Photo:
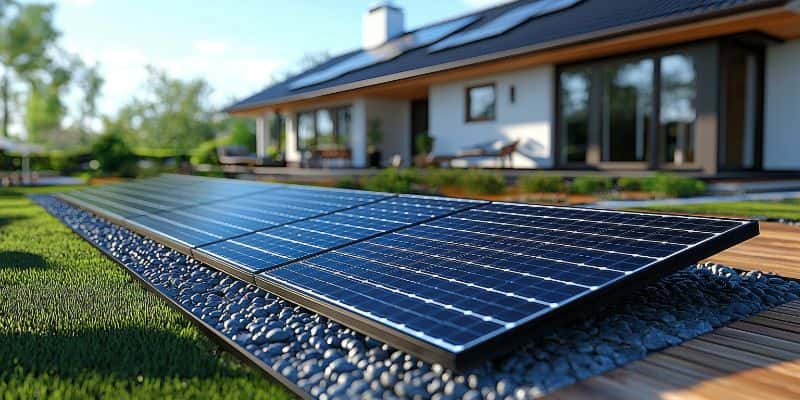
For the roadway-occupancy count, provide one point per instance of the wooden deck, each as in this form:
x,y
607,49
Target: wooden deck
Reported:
x,y
753,359
776,249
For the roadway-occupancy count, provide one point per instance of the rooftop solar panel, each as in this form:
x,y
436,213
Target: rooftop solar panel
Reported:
x,y
252,253
385,52
504,22
454,288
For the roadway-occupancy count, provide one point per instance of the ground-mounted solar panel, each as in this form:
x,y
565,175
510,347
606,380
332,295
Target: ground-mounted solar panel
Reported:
x,y
256,252
188,227
465,287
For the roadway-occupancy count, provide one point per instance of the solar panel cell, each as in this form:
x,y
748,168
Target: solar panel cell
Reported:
x,y
459,281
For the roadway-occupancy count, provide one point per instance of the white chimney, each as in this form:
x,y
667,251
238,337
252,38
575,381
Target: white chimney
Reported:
x,y
381,23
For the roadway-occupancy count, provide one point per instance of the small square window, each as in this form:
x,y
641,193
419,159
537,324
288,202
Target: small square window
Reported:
x,y
481,103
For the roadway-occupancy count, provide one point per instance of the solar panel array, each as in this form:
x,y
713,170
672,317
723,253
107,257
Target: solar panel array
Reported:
x,y
446,279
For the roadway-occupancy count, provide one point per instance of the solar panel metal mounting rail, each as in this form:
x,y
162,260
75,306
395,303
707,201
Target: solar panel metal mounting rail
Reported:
x,y
447,280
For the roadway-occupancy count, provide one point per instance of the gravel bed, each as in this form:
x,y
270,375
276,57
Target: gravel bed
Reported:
x,y
330,361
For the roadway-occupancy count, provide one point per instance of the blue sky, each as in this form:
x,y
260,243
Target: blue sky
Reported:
x,y
236,45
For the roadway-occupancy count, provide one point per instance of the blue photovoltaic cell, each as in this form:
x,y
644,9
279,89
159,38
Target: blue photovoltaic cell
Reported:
x,y
385,52
275,246
200,225
505,22
459,280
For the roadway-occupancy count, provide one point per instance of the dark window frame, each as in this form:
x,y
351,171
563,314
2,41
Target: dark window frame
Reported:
x,y
334,112
468,103
593,158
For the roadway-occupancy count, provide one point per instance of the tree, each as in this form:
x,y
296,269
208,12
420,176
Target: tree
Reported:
x,y
27,35
171,114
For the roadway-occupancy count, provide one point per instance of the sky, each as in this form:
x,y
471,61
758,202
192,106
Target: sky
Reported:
x,y
236,45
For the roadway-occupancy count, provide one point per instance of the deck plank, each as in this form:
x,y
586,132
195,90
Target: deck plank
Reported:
x,y
756,358
774,250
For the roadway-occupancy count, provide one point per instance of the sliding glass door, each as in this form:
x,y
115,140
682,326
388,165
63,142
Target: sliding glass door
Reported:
x,y
627,110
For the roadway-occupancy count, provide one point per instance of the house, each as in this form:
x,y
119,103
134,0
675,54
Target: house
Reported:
x,y
700,85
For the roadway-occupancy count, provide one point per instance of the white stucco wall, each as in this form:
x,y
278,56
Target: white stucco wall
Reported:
x,y
395,117
782,107
529,118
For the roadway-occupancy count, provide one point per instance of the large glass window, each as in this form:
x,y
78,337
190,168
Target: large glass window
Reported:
x,y
481,103
325,133
306,135
627,110
574,97
343,126
323,128
678,112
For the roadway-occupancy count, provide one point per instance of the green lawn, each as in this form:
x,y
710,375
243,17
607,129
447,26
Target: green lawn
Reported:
x,y
73,324
788,209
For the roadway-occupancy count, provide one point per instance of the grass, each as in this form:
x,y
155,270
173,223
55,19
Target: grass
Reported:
x,y
73,324
788,209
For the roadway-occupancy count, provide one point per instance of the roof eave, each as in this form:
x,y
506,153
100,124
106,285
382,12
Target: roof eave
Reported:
x,y
671,21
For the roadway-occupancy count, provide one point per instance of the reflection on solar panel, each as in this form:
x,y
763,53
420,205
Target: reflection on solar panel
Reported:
x,y
504,23
452,288
448,280
385,52
258,251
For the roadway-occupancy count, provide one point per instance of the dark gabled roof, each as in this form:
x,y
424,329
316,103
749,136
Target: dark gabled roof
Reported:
x,y
578,22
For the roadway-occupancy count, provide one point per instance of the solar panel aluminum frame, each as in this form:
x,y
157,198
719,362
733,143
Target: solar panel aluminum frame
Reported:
x,y
507,341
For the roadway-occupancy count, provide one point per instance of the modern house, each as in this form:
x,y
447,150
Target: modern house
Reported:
x,y
701,85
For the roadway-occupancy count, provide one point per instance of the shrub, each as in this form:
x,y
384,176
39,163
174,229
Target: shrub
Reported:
x,y
541,184
478,181
674,185
438,177
629,184
205,153
590,184
393,180
114,156
423,143
347,182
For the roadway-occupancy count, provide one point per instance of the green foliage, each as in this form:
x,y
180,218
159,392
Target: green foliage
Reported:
x,y
347,182
27,40
631,184
478,181
591,185
173,114
423,143
786,209
374,134
440,177
242,133
675,186
205,153
393,180
114,156
541,184
74,325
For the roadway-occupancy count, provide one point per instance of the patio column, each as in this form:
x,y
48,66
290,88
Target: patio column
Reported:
x,y
263,127
358,136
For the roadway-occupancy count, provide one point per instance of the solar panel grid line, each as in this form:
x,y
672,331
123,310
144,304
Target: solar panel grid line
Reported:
x,y
291,222
485,318
722,237
228,262
506,270
510,253
553,243
469,284
105,213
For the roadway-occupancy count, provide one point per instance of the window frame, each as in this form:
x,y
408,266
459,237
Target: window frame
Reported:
x,y
334,113
468,103
594,146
